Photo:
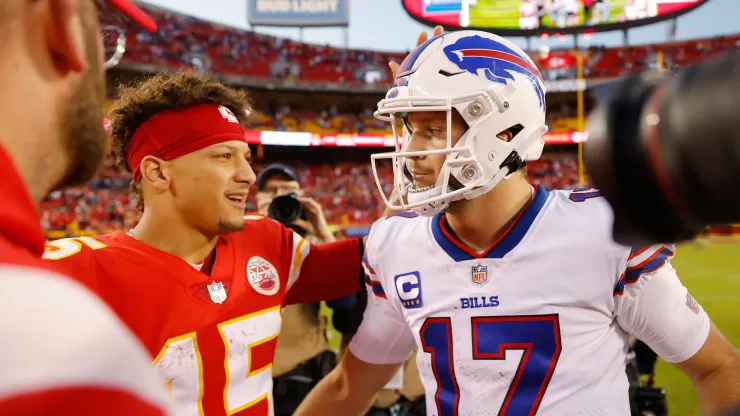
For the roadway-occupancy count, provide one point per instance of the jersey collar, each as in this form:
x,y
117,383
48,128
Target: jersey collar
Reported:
x,y
505,243
19,218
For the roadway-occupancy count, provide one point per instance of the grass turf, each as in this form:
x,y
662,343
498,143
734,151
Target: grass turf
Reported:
x,y
711,272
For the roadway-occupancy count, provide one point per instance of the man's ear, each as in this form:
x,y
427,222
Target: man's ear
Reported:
x,y
505,135
155,171
64,35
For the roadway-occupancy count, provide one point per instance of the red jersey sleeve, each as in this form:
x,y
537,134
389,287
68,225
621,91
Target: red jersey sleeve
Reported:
x,y
74,257
80,401
323,271
65,352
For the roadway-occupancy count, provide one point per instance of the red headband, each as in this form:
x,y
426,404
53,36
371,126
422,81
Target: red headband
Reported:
x,y
174,133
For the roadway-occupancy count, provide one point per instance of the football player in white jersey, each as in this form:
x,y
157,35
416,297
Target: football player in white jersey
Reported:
x,y
518,298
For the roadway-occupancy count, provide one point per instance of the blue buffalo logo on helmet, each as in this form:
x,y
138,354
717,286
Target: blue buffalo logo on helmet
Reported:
x,y
486,57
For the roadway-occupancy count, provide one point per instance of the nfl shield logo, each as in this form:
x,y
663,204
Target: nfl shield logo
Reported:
x,y
692,304
480,275
217,292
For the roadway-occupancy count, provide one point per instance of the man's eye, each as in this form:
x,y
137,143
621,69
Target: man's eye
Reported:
x,y
226,156
435,131
248,158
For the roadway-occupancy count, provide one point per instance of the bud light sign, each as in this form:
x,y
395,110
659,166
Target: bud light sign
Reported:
x,y
298,13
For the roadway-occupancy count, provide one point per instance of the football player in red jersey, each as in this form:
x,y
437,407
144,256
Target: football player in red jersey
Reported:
x,y
62,351
200,283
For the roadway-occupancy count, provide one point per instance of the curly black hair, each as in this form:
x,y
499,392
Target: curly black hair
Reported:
x,y
166,91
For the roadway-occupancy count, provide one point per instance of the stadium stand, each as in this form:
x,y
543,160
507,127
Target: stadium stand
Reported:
x,y
346,190
185,41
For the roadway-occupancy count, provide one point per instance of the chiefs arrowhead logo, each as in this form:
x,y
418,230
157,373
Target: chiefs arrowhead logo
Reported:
x,y
262,276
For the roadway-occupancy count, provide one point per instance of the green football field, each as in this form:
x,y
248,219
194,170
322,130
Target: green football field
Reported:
x,y
711,272
505,13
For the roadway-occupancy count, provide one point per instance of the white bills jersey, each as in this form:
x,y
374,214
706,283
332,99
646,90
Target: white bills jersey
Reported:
x,y
536,324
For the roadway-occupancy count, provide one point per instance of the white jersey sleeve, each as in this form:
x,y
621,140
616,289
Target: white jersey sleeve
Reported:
x,y
652,304
383,337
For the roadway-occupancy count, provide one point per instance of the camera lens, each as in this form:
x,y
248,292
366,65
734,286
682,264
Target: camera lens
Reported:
x,y
664,152
620,167
285,209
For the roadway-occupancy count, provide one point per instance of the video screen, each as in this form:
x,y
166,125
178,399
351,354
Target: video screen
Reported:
x,y
545,15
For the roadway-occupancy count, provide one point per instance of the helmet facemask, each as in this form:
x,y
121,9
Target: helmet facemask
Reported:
x,y
459,158
494,86
462,175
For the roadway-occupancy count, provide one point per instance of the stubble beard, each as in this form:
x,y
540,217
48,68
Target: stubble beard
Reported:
x,y
228,227
84,135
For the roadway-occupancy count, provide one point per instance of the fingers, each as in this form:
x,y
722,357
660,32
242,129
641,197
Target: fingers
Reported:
x,y
422,38
306,226
394,68
310,205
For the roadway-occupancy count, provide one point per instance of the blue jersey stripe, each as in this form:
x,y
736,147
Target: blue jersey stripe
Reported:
x,y
378,289
457,251
655,262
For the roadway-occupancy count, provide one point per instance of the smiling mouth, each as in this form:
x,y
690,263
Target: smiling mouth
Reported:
x,y
414,189
238,200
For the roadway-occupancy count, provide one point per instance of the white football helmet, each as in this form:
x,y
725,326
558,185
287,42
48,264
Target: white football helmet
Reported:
x,y
494,86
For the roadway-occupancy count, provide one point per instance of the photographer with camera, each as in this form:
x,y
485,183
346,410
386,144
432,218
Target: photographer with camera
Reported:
x,y
280,197
302,355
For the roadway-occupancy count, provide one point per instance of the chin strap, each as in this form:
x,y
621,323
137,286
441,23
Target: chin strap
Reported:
x,y
513,162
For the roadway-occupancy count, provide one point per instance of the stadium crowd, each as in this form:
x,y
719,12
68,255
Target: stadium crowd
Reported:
x,y
347,191
185,41
330,120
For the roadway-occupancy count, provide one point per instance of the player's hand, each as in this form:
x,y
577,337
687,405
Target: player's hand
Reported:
x,y
316,224
423,37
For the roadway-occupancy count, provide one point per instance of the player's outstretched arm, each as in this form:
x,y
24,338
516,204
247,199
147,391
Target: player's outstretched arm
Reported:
x,y
715,371
324,271
383,342
349,389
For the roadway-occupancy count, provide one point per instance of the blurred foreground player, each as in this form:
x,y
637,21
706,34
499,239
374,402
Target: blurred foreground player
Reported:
x,y
62,351
517,298
200,283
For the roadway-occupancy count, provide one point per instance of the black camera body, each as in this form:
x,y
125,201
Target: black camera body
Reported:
x,y
650,401
645,400
286,209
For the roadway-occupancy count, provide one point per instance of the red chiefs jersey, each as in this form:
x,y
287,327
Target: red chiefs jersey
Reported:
x,y
213,336
62,350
